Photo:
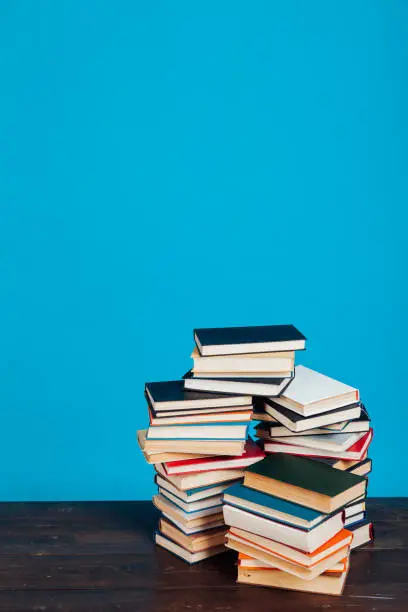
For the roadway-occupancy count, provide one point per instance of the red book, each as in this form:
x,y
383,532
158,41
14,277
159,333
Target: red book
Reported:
x,y
252,454
356,451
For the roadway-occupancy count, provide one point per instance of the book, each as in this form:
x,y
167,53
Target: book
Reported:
x,y
299,423
305,482
158,457
339,541
327,583
195,542
251,454
214,410
353,519
244,376
356,451
239,416
204,431
252,563
312,393
260,415
171,395
251,386
192,495
296,569
192,506
275,429
354,508
192,519
202,447
304,540
336,442
362,468
272,507
242,340
247,362
363,533
185,482
184,554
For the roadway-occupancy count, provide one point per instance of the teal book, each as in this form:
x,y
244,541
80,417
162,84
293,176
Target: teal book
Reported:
x,y
273,507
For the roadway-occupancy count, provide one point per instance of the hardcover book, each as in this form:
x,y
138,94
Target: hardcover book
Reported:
x,y
298,423
272,507
313,393
171,395
256,339
249,362
252,386
327,583
305,482
356,451
251,454
302,540
184,554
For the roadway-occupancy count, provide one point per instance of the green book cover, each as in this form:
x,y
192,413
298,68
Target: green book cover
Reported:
x,y
305,473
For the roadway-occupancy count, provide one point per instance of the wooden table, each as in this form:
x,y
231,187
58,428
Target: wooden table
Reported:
x,y
100,556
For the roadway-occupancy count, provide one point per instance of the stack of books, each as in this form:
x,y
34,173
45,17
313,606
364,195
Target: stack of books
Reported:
x,y
287,523
322,418
259,361
199,446
294,500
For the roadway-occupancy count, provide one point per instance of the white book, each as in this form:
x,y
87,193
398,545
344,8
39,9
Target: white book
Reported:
x,y
355,518
307,541
312,393
331,442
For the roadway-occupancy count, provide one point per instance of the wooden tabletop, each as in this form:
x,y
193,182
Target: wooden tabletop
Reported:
x,y
100,556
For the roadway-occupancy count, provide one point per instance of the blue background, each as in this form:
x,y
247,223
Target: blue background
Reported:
x,y
165,166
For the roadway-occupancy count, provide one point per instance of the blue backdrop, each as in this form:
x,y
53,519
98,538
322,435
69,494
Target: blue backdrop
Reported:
x,y
166,166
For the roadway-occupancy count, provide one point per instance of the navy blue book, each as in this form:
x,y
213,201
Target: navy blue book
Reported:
x,y
272,507
255,339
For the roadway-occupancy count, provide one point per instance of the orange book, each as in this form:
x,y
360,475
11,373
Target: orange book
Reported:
x,y
294,555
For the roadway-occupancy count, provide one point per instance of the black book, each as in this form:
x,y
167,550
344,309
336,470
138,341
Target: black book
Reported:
x,y
252,386
171,395
299,423
241,340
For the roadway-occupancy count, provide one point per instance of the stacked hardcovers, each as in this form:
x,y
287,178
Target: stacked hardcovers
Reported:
x,y
287,522
198,444
197,437
322,418
294,500
257,360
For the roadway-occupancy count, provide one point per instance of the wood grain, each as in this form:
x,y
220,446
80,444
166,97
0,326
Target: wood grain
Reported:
x,y
100,556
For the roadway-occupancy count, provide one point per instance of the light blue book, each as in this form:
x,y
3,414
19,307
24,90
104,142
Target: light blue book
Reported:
x,y
205,431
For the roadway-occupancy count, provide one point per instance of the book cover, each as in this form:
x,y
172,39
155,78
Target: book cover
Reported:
x,y
305,473
247,336
252,453
240,495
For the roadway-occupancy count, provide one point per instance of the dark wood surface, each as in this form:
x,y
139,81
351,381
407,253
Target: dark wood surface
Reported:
x,y
100,556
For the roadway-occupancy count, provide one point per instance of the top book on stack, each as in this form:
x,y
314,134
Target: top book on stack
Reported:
x,y
256,360
255,339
